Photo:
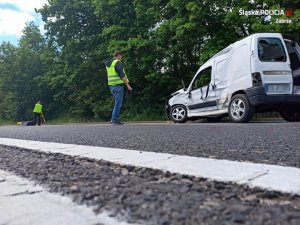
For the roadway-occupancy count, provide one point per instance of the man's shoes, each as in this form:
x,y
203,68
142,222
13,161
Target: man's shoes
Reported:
x,y
117,123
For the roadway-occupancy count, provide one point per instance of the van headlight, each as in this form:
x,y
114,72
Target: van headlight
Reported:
x,y
256,79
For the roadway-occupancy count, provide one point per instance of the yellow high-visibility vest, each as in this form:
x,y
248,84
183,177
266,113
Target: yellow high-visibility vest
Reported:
x,y
38,108
112,76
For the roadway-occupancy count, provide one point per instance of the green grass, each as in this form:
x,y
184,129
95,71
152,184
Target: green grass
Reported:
x,y
63,120
3,123
138,118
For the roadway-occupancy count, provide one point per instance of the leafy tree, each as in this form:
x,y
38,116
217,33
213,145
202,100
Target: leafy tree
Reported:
x,y
164,42
74,28
7,60
21,71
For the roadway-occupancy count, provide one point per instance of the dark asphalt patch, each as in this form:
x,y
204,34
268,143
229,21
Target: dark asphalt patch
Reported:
x,y
149,196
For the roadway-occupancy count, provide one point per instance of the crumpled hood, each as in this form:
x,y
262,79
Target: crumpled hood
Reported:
x,y
178,92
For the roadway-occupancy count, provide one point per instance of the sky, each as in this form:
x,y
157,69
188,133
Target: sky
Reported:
x,y
14,14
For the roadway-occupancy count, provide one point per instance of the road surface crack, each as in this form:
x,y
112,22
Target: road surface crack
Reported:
x,y
156,160
24,193
257,175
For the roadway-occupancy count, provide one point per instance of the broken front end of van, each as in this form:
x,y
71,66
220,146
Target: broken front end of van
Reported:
x,y
260,73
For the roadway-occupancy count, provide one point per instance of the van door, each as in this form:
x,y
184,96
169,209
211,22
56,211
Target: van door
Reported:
x,y
273,64
202,94
293,48
221,76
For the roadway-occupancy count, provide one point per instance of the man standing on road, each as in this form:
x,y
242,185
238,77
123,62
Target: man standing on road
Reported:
x,y
116,79
37,113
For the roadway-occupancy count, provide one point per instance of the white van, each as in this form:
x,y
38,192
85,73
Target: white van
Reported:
x,y
260,73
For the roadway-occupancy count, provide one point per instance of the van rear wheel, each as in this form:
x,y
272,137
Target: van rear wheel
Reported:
x,y
178,114
240,110
290,113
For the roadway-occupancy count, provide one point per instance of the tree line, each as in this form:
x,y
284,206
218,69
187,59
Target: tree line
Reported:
x,y
163,41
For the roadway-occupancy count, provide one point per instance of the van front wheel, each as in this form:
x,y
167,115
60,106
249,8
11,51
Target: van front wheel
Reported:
x,y
178,114
290,113
240,110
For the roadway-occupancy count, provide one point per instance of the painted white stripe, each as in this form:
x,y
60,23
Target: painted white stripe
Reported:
x,y
271,177
19,207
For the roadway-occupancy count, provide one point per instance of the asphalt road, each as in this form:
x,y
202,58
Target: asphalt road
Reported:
x,y
147,196
270,143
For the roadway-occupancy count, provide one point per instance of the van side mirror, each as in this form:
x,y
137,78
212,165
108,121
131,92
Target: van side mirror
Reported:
x,y
190,94
183,85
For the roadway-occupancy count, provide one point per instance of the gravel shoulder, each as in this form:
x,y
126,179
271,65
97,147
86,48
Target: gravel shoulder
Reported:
x,y
148,196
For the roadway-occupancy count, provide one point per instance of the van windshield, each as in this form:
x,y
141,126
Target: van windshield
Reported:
x,y
271,50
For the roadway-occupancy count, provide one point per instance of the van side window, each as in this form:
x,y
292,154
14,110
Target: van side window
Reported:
x,y
271,50
203,79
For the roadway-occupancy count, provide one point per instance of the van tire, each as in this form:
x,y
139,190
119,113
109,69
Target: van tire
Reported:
x,y
240,109
290,113
178,114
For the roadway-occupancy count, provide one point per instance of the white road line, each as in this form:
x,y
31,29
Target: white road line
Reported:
x,y
23,203
271,177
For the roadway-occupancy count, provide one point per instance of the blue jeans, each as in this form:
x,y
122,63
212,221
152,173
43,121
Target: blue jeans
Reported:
x,y
37,119
118,93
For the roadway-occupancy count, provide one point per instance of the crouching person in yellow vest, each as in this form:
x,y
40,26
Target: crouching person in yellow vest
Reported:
x,y
116,80
37,113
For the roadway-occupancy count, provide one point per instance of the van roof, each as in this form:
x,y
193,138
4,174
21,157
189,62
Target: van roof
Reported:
x,y
228,48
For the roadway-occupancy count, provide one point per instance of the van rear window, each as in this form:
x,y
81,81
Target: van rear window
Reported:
x,y
271,50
